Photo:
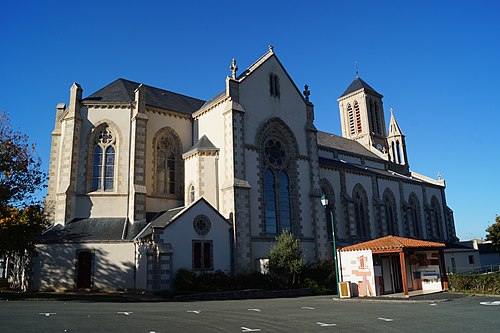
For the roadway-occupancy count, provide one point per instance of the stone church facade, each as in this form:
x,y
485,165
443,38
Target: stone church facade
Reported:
x,y
144,181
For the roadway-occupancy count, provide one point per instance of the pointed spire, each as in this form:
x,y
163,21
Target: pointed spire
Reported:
x,y
356,65
233,68
306,92
394,128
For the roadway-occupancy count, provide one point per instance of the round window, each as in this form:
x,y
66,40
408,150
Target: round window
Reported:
x,y
201,224
275,153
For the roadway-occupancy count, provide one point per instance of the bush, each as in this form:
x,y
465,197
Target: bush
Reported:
x,y
185,280
319,277
475,283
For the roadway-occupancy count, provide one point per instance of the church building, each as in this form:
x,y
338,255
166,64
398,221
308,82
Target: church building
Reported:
x,y
144,181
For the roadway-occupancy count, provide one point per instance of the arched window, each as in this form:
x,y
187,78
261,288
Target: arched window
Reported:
x,y
168,163
274,85
103,160
191,194
398,152
436,218
390,213
373,116
327,190
393,152
361,216
413,216
379,130
350,116
278,216
357,114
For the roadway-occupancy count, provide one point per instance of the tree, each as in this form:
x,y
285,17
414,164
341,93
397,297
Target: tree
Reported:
x,y
22,218
494,233
286,259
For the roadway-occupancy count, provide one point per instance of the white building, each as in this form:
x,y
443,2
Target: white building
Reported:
x,y
145,181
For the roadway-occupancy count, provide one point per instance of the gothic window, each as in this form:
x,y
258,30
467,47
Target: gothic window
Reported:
x,y
398,152
191,194
103,160
436,218
274,85
361,216
393,152
373,116
390,213
168,163
327,190
357,114
350,116
277,205
379,130
203,255
413,216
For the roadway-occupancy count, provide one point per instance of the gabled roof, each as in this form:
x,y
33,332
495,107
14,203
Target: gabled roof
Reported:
x,y
358,84
333,141
203,143
393,244
123,91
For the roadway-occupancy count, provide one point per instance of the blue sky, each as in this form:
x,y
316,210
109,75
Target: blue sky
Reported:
x,y
436,63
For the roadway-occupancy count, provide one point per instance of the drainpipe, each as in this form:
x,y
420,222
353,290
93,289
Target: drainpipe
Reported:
x,y
124,232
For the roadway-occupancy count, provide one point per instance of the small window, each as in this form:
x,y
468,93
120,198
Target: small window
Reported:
x,y
203,255
191,194
274,85
471,260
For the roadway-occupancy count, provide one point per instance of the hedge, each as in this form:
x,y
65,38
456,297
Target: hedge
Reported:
x,y
475,283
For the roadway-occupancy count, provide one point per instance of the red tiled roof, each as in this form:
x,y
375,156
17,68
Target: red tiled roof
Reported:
x,y
388,243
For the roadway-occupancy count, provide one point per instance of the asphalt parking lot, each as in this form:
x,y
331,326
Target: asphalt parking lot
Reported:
x,y
302,314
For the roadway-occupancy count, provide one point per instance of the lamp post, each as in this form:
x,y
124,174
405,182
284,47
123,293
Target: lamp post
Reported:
x,y
324,202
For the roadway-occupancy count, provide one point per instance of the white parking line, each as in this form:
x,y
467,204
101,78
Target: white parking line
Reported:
x,y
47,314
246,329
490,303
307,307
256,310
194,311
125,313
325,325
386,319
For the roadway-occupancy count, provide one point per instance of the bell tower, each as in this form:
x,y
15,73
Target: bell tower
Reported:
x,y
362,116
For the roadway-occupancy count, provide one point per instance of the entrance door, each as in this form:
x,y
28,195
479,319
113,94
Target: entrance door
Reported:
x,y
84,270
396,273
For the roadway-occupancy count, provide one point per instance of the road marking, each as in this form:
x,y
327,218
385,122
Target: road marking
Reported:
x,y
307,308
256,310
246,329
433,304
125,313
490,303
195,311
325,325
47,314
386,319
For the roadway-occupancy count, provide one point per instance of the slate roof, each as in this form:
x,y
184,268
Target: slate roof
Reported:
x,y
91,229
122,91
160,221
392,243
203,143
358,84
337,142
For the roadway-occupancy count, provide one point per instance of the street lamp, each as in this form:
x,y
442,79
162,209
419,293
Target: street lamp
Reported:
x,y
324,202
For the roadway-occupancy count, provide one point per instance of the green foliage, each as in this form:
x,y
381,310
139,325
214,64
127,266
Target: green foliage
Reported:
x,y
20,168
475,283
494,233
21,219
185,280
188,281
319,277
286,259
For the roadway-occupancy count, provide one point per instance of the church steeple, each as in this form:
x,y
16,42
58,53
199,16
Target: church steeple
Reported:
x,y
396,142
362,116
